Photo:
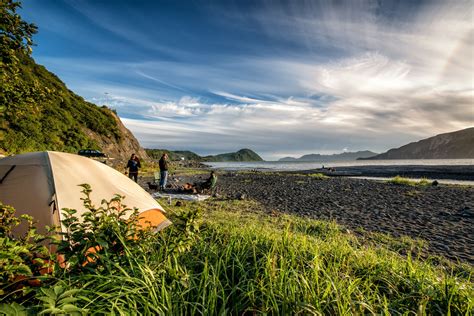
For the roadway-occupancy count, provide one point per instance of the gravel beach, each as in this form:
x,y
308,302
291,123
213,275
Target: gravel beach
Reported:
x,y
442,215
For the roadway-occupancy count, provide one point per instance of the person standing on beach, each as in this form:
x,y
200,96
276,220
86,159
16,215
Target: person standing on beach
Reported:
x,y
163,163
133,165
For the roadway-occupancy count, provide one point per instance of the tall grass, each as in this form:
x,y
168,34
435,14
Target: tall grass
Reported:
x,y
230,258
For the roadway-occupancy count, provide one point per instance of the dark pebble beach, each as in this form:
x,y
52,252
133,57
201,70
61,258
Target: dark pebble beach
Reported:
x,y
442,215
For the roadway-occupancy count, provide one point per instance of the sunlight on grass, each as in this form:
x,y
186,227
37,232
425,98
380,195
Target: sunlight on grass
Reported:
x,y
318,176
398,180
229,257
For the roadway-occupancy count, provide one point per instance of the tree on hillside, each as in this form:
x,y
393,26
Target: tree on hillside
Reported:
x,y
15,40
15,34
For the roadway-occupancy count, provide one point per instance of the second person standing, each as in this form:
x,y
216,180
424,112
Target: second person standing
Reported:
x,y
163,163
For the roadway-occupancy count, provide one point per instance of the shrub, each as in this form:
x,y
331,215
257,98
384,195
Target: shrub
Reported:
x,y
23,260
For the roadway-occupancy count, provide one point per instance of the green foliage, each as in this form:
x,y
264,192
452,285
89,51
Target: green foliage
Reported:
x,y
15,34
59,300
234,259
13,309
398,180
101,239
42,114
22,258
15,40
185,232
37,111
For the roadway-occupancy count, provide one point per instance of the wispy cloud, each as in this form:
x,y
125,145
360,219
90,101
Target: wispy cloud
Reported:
x,y
285,78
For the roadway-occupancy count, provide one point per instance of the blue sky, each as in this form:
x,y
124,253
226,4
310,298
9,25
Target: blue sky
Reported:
x,y
279,77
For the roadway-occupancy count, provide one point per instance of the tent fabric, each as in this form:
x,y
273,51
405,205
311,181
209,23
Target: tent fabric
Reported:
x,y
29,188
42,183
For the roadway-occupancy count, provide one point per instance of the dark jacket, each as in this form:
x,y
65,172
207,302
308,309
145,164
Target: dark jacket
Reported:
x,y
133,166
163,163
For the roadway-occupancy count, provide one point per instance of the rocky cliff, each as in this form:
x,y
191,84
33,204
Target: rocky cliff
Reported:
x,y
122,148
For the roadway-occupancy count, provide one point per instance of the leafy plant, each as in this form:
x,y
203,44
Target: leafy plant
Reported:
x,y
185,232
59,300
13,309
103,237
23,259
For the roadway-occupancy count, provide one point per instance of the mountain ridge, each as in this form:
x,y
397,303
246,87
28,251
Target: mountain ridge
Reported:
x,y
452,145
346,156
244,154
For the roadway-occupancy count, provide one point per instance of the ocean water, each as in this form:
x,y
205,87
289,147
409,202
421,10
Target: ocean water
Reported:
x,y
298,166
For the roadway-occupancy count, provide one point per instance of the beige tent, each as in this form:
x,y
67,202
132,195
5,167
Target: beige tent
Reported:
x,y
42,183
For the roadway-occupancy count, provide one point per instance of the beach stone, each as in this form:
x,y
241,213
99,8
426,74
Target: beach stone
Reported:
x,y
241,196
434,183
444,213
466,212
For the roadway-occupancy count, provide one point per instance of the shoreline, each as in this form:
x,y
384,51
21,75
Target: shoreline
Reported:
x,y
461,172
431,172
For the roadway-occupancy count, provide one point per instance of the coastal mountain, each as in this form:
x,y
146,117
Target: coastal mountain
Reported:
x,y
454,145
346,156
43,114
241,155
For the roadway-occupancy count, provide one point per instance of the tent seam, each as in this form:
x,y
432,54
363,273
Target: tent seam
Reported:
x,y
55,194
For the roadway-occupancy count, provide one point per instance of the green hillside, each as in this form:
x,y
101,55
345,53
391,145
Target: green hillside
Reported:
x,y
241,155
37,110
53,117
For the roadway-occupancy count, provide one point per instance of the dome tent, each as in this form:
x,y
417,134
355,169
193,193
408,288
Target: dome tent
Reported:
x,y
42,183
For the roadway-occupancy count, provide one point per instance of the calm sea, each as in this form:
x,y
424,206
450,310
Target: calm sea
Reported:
x,y
296,166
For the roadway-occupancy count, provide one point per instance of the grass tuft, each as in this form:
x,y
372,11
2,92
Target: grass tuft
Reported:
x,y
318,176
398,180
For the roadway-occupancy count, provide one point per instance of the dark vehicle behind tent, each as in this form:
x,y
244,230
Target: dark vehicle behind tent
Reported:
x,y
91,153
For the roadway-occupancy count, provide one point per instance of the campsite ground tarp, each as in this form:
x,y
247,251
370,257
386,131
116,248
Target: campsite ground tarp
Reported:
x,y
186,197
